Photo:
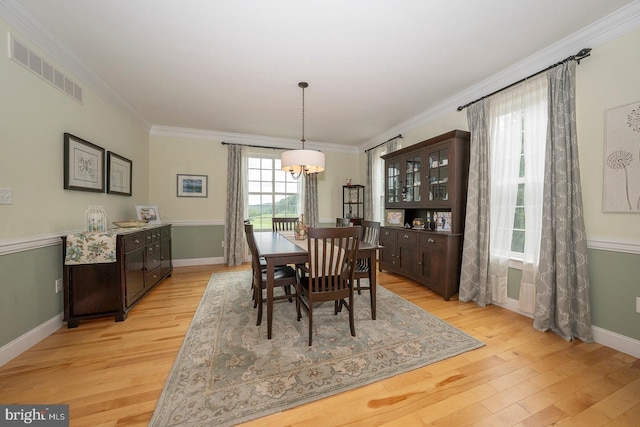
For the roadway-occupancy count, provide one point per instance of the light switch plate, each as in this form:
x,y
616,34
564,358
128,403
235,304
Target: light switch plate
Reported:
x,y
5,196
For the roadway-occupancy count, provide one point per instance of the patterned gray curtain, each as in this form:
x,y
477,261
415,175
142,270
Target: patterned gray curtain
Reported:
x,y
562,284
368,189
234,227
474,278
311,213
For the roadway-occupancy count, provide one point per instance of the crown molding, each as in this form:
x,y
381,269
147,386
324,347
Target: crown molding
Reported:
x,y
17,17
612,26
246,139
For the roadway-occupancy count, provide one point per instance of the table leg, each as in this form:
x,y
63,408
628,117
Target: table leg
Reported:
x,y
373,282
270,283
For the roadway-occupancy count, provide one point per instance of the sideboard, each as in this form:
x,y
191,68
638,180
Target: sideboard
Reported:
x,y
142,260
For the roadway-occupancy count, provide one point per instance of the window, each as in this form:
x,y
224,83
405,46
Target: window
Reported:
x,y
517,238
271,191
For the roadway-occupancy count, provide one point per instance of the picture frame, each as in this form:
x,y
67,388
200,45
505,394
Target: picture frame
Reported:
x,y
148,213
621,169
119,174
83,165
394,217
192,185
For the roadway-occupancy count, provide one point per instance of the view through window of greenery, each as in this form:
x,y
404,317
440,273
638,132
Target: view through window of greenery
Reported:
x,y
271,191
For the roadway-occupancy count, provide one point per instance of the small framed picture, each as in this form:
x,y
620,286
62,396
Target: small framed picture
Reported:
x,y
394,217
148,213
119,172
83,165
193,186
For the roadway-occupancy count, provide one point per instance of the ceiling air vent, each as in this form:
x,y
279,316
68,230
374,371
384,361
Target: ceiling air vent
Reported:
x,y
21,54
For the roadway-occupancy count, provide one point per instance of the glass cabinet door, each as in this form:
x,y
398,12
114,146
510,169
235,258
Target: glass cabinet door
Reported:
x,y
439,175
393,182
411,190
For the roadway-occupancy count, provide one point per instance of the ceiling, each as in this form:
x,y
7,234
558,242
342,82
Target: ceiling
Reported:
x,y
233,66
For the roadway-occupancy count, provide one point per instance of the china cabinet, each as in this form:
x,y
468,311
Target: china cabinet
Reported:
x,y
428,183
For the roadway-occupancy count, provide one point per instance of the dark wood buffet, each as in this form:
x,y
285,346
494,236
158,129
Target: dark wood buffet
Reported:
x,y
426,186
142,261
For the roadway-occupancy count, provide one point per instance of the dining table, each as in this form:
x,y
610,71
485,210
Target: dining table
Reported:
x,y
280,248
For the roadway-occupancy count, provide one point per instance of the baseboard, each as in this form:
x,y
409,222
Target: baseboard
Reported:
x,y
602,336
26,341
188,262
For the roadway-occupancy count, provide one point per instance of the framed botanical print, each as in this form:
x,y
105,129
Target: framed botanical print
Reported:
x,y
119,172
83,165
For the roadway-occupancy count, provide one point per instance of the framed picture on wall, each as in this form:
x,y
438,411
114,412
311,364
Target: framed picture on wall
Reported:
x,y
119,172
83,165
192,185
148,213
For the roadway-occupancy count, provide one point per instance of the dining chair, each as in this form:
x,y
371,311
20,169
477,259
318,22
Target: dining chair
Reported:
x,y
328,274
364,266
343,222
285,277
283,224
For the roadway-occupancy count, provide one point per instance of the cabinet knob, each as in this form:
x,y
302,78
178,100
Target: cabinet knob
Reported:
x,y
430,240
137,242
406,236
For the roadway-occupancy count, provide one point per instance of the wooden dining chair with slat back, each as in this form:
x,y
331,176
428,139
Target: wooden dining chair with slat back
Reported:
x,y
285,277
283,224
328,274
364,266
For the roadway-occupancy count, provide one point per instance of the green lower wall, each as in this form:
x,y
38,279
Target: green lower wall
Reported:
x,y
614,283
204,241
27,286
29,299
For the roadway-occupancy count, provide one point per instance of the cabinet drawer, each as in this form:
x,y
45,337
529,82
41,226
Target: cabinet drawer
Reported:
x,y
153,261
134,241
153,277
407,237
433,242
388,235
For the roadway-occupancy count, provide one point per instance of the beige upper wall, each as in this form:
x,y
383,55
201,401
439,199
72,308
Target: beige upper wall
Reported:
x,y
33,118
169,156
609,78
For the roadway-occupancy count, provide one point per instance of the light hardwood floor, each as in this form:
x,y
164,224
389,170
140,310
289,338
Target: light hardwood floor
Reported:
x,y
111,374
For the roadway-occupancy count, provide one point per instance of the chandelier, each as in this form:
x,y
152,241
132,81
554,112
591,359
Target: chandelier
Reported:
x,y
299,162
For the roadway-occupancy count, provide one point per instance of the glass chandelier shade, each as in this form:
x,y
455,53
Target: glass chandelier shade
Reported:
x,y
299,162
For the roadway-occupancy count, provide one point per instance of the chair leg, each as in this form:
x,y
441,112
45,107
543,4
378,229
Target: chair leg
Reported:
x,y
310,323
258,294
351,317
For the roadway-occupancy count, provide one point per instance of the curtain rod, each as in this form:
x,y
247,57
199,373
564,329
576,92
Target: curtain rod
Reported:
x,y
253,146
585,52
382,143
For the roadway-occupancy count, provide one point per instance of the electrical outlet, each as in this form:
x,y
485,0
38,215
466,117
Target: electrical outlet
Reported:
x,y
223,243
58,286
637,304
5,196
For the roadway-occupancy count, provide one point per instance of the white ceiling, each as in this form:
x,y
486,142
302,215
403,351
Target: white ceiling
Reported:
x,y
233,66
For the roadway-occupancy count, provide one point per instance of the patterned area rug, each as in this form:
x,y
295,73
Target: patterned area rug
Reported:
x,y
228,372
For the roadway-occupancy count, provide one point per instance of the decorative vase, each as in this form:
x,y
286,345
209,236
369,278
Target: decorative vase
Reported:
x,y
300,229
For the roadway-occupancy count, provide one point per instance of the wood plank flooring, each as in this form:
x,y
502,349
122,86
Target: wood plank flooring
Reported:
x,y
111,374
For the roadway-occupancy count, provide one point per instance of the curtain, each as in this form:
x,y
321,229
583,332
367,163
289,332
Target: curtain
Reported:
x,y
374,191
474,276
369,189
234,216
311,212
562,284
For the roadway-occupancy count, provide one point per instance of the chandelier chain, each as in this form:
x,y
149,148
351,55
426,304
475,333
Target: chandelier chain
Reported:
x,y
302,118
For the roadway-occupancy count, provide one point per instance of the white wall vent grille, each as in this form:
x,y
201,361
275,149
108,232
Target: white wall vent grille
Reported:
x,y
21,54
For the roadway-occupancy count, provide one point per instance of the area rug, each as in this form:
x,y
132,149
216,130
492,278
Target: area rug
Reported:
x,y
228,372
